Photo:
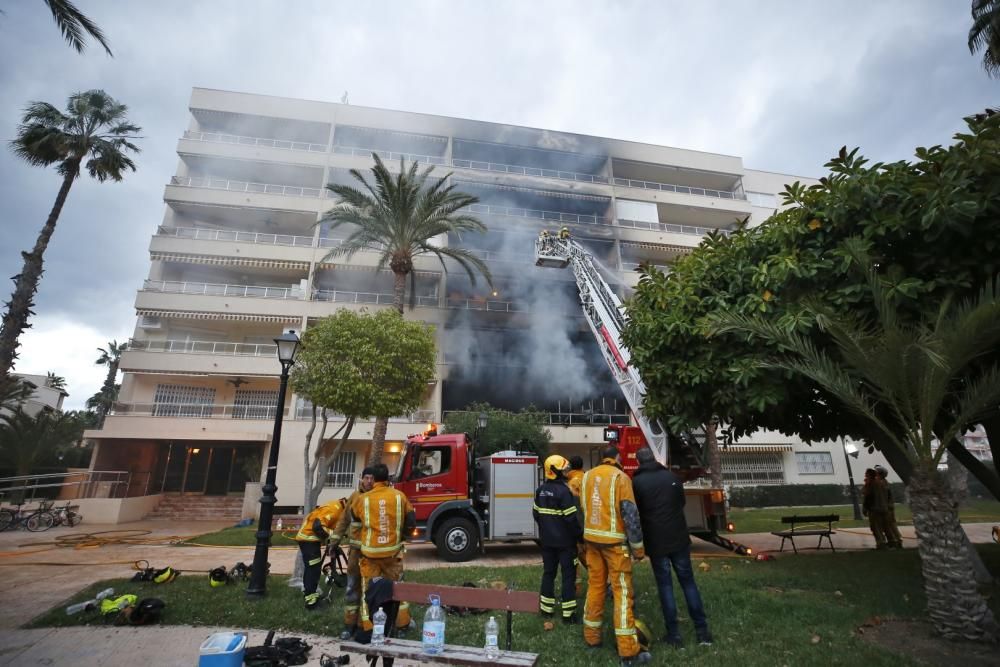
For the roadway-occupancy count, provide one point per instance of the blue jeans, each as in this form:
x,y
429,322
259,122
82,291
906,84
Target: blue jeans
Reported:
x,y
681,560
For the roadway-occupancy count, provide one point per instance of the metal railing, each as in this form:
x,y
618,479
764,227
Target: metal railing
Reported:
x,y
682,189
501,257
545,216
632,266
220,138
569,418
342,296
528,171
217,289
304,411
390,155
674,229
69,485
247,186
487,305
201,234
204,347
195,410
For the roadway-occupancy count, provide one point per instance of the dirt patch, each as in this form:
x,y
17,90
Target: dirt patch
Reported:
x,y
916,640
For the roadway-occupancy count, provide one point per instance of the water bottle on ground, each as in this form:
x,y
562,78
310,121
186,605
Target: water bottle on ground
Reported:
x,y
378,631
492,647
89,605
433,631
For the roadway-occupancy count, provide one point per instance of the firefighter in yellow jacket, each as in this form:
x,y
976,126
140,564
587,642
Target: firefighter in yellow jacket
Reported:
x,y
574,479
386,518
349,531
613,535
314,532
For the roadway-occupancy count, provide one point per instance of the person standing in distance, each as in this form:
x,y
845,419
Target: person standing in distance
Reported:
x,y
659,494
559,530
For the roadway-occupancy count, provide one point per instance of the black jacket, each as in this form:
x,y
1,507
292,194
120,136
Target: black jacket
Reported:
x,y
557,515
659,494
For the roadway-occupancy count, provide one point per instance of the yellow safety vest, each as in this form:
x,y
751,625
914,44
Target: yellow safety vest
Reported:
x,y
601,494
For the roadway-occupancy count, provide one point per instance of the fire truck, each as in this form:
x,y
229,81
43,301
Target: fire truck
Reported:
x,y
463,500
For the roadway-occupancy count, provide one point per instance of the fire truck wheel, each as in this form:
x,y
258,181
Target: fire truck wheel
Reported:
x,y
456,540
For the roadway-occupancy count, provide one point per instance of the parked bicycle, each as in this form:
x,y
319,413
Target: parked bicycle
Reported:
x,y
67,515
37,520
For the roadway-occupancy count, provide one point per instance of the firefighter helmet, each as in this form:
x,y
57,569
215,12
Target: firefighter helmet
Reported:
x,y
218,577
554,465
165,576
643,634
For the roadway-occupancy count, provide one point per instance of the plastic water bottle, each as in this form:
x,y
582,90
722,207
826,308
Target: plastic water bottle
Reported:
x,y
88,605
492,647
378,631
433,631
278,525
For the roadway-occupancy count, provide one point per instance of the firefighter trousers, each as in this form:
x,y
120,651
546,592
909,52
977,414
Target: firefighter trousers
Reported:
x,y
312,557
553,559
390,568
352,594
610,563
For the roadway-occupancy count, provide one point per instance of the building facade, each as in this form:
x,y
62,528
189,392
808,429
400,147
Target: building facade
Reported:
x,y
43,395
240,256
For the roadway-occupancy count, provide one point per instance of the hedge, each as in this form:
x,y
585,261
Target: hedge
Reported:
x,y
794,495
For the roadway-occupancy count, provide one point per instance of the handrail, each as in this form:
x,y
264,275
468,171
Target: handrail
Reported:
x,y
218,289
529,171
675,229
304,411
389,155
204,347
202,234
219,137
342,296
547,216
247,186
569,418
632,266
195,410
89,484
681,189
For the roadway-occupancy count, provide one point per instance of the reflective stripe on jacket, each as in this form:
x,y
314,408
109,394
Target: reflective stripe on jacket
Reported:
x,y
328,516
604,491
385,515
557,516
348,531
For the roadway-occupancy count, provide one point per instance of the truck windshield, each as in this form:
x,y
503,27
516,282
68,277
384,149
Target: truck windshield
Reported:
x,y
407,449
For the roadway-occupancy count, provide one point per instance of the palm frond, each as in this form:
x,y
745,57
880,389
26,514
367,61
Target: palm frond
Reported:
x,y
984,35
75,25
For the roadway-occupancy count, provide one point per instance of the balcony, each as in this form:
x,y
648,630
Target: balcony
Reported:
x,y
204,347
368,298
533,214
195,411
680,189
389,156
673,229
211,183
216,137
200,234
216,289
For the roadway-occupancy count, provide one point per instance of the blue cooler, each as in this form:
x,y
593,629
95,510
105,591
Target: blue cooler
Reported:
x,y
223,649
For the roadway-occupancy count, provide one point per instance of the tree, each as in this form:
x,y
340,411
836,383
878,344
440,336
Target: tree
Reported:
x,y
522,431
53,381
358,366
94,133
984,35
103,400
13,393
910,381
27,442
402,216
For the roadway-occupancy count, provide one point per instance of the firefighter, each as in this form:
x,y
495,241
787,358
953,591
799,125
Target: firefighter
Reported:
x,y
892,536
564,232
314,532
386,517
613,534
574,478
351,531
559,530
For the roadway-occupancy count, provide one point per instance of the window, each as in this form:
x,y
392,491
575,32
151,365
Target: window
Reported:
x,y
255,403
814,463
175,400
341,472
763,199
431,461
751,469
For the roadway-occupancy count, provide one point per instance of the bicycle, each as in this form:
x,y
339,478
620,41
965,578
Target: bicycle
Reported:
x,y
36,521
66,516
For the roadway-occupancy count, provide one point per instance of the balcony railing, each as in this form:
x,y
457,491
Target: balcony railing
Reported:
x,y
204,347
682,189
195,410
675,229
219,138
632,266
491,256
342,296
487,305
215,289
546,216
247,186
390,155
304,411
570,418
497,167
200,234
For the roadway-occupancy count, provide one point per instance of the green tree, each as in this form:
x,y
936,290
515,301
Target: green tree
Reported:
x,y
53,381
522,431
75,26
400,217
103,400
911,381
94,133
30,441
984,35
358,366
13,393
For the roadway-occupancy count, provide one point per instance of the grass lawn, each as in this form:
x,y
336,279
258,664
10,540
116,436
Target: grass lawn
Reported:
x,y
766,519
792,611
242,537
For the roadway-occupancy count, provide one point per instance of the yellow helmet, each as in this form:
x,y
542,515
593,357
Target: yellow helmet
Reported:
x,y
643,634
554,465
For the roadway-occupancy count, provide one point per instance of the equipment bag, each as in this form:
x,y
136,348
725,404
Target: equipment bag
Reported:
x,y
281,652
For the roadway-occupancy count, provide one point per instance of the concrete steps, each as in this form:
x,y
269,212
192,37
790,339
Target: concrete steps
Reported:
x,y
177,507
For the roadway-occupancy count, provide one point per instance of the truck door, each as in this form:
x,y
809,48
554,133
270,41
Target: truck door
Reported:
x,y
428,478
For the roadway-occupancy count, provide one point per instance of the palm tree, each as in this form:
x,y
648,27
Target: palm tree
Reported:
x,y
911,383
75,26
984,35
109,357
28,441
53,381
13,393
94,133
400,217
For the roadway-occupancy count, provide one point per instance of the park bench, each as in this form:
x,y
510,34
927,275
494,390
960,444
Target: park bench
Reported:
x,y
455,596
809,520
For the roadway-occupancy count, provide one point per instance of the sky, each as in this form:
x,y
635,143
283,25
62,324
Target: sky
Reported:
x,y
781,84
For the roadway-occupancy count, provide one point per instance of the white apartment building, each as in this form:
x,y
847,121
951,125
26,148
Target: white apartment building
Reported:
x,y
239,257
43,395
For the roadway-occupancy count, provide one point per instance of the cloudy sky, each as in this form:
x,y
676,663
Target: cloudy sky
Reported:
x,y
783,84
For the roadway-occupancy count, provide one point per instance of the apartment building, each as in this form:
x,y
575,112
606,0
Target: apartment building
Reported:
x,y
239,257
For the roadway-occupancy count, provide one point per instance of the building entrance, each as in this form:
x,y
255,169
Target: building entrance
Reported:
x,y
207,468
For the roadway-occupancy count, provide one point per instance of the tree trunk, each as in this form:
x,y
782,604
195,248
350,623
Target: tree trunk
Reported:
x,y
714,455
295,581
108,391
992,426
398,291
958,479
956,607
989,478
15,320
378,440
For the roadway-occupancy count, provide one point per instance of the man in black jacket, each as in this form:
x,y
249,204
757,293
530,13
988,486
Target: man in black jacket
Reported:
x,y
559,530
659,494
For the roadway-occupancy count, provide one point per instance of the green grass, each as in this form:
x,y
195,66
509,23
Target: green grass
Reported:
x,y
241,537
766,519
761,613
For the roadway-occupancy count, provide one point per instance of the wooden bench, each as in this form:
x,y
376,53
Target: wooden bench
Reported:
x,y
791,533
455,596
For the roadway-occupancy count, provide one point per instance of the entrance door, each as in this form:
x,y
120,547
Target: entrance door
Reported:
x,y
219,471
198,460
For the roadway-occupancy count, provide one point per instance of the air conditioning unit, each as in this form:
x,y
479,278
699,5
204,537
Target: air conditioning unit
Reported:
x,y
148,322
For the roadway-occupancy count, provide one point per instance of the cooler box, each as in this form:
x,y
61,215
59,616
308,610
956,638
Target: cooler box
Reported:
x,y
223,649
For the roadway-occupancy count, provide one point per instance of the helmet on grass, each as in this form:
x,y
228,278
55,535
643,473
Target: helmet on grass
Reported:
x,y
643,634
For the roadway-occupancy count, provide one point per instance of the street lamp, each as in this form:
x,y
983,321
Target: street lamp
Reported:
x,y
481,420
850,449
287,344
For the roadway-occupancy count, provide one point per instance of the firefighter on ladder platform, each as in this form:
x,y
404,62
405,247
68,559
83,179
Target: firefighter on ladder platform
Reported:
x,y
311,536
352,530
559,530
613,534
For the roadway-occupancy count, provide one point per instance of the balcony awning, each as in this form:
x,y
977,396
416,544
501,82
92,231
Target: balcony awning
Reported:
x,y
202,315
219,260
756,449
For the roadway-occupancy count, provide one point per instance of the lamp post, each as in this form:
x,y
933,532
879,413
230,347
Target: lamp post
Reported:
x,y
850,449
288,344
